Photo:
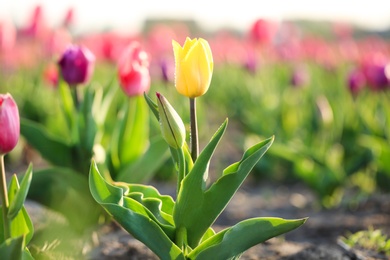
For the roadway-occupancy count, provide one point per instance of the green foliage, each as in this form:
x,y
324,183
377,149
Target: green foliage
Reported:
x,y
182,229
13,244
372,239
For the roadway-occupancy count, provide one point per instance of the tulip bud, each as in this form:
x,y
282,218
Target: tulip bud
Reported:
x,y
194,67
133,70
172,127
76,65
9,124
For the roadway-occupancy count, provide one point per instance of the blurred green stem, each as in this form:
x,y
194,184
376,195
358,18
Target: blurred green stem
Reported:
x,y
76,96
4,199
194,130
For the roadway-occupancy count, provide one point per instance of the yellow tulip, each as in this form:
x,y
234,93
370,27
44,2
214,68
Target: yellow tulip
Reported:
x,y
194,67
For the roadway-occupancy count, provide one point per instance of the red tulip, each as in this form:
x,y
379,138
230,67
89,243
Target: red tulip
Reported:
x,y
133,70
9,124
77,65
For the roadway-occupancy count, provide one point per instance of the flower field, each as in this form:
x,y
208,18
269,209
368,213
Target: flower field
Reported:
x,y
105,115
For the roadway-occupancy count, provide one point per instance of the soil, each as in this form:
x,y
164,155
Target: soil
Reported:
x,y
318,238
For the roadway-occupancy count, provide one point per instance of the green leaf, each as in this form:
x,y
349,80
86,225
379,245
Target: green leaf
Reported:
x,y
133,216
143,169
233,241
134,130
12,248
153,106
50,147
152,192
17,203
87,125
22,225
197,208
146,231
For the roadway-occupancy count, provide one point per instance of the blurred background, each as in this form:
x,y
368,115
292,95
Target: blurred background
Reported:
x,y
314,74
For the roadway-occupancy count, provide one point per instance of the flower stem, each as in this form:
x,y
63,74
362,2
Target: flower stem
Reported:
x,y
182,168
76,97
194,130
4,199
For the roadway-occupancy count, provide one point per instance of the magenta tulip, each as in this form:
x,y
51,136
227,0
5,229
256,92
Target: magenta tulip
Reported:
x,y
77,65
9,124
133,70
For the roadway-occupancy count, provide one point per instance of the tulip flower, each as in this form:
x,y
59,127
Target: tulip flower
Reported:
x,y
133,70
172,127
9,124
194,67
76,65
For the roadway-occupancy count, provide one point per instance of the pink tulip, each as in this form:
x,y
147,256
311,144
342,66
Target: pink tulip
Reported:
x,y
133,70
263,32
77,65
9,124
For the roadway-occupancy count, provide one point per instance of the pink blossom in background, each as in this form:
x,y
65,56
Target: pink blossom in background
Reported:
x,y
133,70
262,32
7,35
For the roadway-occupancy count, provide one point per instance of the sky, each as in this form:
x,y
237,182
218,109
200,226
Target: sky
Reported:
x,y
211,15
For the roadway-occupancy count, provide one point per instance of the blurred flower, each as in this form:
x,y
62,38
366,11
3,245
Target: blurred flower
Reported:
x,y
356,81
172,127
7,36
9,123
37,27
374,70
50,74
133,70
262,32
69,18
57,41
193,67
299,77
76,65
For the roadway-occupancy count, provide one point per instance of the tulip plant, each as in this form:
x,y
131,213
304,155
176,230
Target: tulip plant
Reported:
x,y
98,122
16,228
182,229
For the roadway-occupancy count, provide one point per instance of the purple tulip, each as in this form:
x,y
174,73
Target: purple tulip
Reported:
x,y
356,81
9,124
77,65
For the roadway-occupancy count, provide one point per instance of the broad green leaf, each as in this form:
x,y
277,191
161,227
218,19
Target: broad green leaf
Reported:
x,y
101,191
17,203
233,241
133,216
12,248
142,170
105,193
49,146
152,192
22,225
146,231
197,208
